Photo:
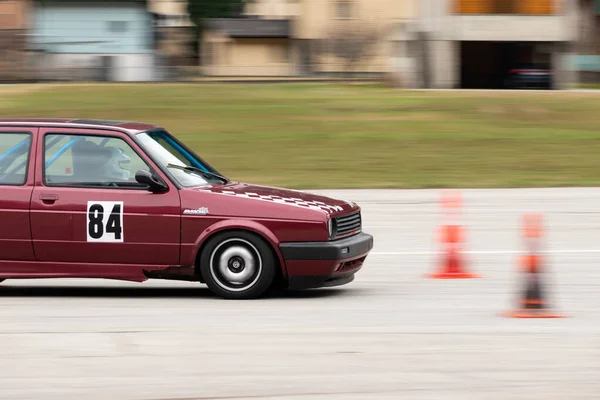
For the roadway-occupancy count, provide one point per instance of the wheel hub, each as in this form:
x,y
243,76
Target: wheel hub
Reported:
x,y
236,264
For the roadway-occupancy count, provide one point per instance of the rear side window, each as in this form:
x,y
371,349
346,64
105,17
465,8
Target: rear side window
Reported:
x,y
15,149
90,161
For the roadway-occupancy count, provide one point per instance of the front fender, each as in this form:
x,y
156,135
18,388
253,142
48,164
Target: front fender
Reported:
x,y
247,225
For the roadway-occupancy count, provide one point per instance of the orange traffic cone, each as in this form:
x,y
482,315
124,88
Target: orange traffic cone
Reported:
x,y
451,236
532,303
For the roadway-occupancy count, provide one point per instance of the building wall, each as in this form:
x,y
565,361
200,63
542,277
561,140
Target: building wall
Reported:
x,y
107,27
173,13
468,20
13,56
168,7
445,72
247,57
173,32
323,20
14,14
588,41
448,22
14,23
273,9
314,24
94,41
97,67
586,53
516,28
315,17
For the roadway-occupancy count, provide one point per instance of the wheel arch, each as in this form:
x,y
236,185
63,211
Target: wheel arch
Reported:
x,y
245,226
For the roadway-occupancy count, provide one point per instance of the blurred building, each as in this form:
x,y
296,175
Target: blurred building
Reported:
x,y
173,33
483,43
170,13
14,26
587,58
248,47
93,40
306,38
418,43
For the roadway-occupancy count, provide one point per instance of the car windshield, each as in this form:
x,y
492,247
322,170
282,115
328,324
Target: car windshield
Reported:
x,y
167,152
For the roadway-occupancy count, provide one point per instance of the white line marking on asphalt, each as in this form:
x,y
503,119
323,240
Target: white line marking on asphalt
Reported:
x,y
484,252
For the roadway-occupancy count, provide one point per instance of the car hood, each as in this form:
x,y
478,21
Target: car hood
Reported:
x,y
290,197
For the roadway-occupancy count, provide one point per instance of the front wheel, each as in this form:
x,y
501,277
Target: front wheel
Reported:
x,y
238,265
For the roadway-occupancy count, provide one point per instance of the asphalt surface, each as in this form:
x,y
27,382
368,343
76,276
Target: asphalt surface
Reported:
x,y
391,334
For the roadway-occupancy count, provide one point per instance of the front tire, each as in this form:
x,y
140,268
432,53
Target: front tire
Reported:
x,y
238,265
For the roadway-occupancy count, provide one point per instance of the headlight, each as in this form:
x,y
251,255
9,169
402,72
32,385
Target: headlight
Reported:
x,y
331,228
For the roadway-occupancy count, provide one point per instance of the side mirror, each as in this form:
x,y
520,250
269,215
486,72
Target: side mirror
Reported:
x,y
150,179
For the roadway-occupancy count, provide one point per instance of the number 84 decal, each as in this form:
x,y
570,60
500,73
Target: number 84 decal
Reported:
x,y
105,221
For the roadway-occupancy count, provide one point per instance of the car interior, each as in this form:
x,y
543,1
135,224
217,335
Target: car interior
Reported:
x,y
13,163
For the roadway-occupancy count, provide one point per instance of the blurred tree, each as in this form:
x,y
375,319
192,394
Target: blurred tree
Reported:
x,y
200,10
351,42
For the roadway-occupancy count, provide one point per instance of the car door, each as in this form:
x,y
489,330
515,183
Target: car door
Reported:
x,y
88,208
16,185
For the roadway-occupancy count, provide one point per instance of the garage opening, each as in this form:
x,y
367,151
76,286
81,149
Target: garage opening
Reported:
x,y
505,65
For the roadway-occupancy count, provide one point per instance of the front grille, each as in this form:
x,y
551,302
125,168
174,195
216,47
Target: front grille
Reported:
x,y
350,265
348,224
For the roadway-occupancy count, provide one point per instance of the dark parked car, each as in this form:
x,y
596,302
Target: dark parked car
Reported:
x,y
530,77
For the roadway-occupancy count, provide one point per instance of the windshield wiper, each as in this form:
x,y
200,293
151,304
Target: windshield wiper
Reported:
x,y
197,170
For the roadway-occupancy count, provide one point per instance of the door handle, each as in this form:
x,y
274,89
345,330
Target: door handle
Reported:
x,y
49,198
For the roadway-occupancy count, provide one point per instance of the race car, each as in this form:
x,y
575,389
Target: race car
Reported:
x,y
129,201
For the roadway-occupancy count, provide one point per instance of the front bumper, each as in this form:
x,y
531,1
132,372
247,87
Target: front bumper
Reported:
x,y
323,264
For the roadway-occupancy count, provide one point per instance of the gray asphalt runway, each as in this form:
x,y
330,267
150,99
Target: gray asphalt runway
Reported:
x,y
391,334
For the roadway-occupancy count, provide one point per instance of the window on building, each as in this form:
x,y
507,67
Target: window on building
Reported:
x,y
343,9
117,26
536,7
522,7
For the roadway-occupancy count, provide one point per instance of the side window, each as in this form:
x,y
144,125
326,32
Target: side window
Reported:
x,y
14,158
90,161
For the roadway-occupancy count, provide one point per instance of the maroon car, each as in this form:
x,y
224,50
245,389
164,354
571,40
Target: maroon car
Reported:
x,y
128,201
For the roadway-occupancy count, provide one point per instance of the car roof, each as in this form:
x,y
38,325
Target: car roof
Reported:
x,y
130,127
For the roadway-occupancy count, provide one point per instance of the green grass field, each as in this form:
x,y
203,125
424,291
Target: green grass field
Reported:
x,y
349,136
